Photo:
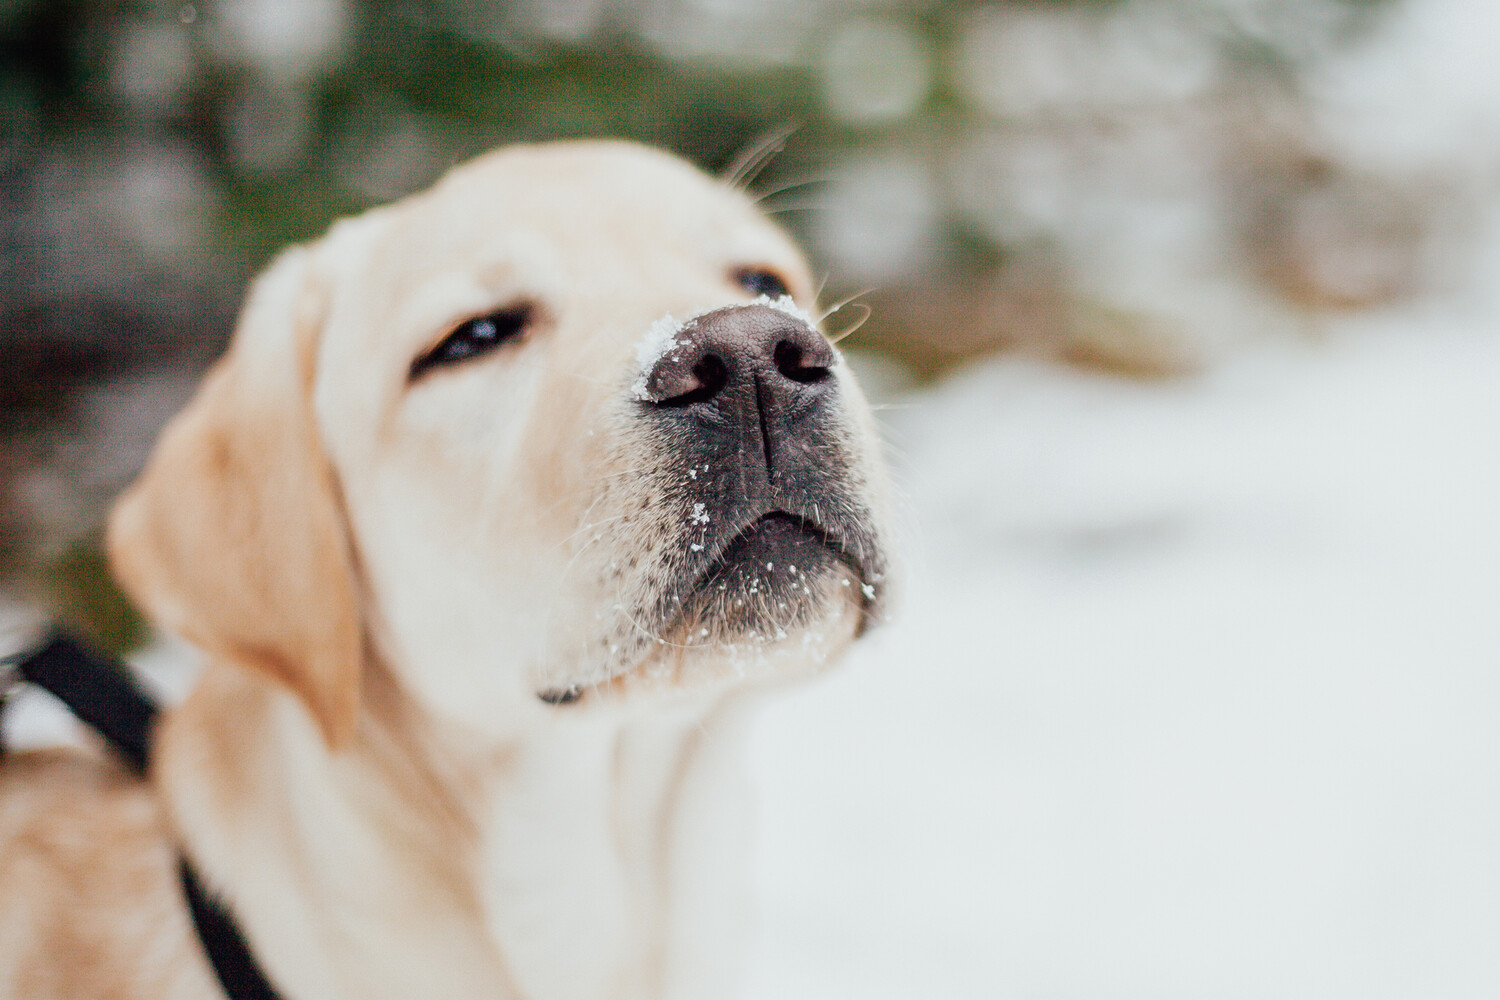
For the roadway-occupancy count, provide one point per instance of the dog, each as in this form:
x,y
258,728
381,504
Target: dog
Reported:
x,y
504,506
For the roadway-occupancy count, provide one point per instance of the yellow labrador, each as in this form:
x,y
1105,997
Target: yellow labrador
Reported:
x,y
502,502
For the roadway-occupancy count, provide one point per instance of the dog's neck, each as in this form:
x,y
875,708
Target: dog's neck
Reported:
x,y
595,857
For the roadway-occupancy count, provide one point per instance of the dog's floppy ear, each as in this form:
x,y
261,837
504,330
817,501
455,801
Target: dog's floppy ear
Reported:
x,y
234,536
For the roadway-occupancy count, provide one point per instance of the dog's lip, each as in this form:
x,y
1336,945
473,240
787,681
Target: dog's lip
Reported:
x,y
699,572
711,559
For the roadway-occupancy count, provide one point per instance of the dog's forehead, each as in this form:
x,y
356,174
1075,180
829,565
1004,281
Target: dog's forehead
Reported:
x,y
585,205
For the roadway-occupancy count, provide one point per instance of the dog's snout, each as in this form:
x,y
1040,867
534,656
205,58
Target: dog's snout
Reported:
x,y
757,351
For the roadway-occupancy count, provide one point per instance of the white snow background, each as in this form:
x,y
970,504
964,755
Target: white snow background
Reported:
x,y
1195,692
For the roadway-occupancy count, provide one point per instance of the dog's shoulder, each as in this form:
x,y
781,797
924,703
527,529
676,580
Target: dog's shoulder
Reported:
x,y
89,872
52,800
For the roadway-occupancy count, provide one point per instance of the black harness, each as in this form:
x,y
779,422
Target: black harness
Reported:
x,y
101,694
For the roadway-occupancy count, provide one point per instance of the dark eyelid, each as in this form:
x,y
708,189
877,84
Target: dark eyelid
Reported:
x,y
754,278
475,337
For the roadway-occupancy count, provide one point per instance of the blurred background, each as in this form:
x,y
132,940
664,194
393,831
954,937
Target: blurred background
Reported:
x,y
1129,186
1183,330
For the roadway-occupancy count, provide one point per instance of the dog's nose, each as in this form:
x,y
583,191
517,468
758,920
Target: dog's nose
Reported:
x,y
755,354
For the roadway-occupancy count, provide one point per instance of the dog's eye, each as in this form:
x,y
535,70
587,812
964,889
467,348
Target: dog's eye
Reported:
x,y
759,281
474,337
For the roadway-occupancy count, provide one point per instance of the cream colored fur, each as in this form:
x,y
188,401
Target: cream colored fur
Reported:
x,y
382,573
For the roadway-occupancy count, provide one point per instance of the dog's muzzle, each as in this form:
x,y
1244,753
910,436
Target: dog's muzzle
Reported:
x,y
749,408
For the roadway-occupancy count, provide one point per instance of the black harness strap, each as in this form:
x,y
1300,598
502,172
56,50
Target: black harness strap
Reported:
x,y
233,963
102,695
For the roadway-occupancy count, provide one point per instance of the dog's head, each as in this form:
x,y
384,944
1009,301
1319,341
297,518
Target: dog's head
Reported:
x,y
559,429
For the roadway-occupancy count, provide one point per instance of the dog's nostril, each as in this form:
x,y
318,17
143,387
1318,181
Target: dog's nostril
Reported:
x,y
712,374
709,376
793,363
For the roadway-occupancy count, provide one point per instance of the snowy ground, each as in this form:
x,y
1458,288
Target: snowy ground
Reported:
x,y
1195,693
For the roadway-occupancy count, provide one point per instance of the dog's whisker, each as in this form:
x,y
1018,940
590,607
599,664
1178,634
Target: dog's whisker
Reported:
x,y
607,477
822,285
754,158
567,569
841,303
588,512
835,338
584,519
563,573
590,526
654,637
795,206
798,185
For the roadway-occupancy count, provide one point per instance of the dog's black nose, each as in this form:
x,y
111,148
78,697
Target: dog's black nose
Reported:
x,y
756,355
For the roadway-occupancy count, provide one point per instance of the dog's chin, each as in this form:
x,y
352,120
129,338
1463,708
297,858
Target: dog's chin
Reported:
x,y
778,576
780,600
